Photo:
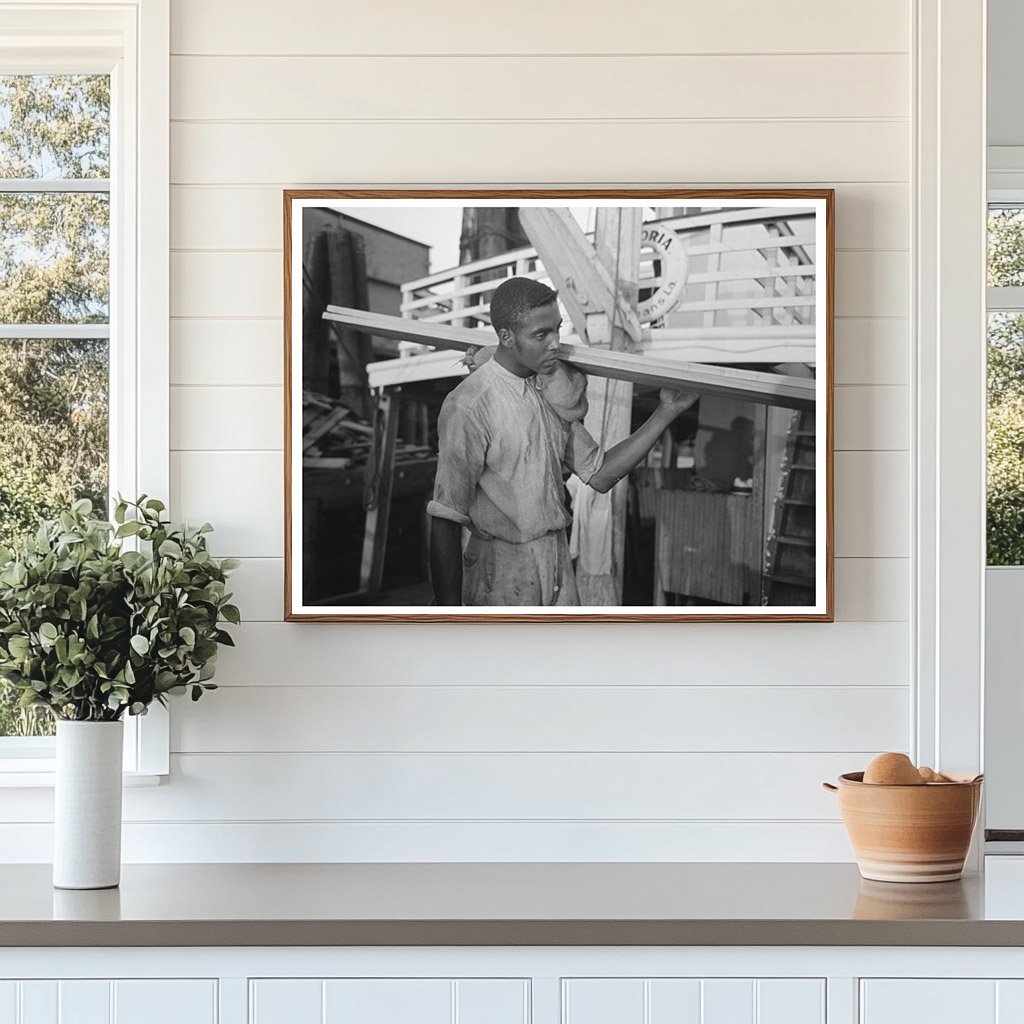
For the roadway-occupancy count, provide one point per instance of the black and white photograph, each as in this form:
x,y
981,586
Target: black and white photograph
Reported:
x,y
576,405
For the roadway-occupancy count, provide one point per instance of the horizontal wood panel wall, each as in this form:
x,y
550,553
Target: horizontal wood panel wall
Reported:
x,y
678,741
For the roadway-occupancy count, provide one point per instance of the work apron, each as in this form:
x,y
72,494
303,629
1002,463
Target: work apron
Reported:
x,y
535,574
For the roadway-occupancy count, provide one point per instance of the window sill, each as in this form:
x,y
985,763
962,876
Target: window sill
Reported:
x,y
44,779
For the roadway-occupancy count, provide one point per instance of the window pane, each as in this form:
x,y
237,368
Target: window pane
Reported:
x,y
1005,439
53,449
54,126
54,258
1005,246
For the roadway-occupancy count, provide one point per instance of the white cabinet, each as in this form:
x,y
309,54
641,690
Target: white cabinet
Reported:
x,y
389,1001
513,985
942,1001
103,1001
693,1001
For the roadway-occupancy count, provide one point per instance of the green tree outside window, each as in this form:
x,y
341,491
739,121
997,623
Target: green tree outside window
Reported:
x,y
54,270
1005,480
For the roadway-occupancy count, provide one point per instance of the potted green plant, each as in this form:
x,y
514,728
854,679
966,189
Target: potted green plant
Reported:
x,y
92,631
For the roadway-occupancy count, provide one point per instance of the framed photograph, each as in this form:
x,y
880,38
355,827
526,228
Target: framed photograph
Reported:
x,y
568,405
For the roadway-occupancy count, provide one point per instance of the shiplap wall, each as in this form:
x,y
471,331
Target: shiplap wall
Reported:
x,y
679,741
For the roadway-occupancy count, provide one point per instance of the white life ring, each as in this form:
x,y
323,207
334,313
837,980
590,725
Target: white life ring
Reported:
x,y
669,249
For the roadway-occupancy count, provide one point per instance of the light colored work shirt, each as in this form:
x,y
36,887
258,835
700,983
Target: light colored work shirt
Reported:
x,y
503,454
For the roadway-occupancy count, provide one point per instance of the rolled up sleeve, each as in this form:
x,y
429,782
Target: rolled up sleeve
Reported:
x,y
583,455
462,449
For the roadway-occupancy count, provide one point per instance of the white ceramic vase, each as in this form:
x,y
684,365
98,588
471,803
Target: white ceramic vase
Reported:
x,y
87,805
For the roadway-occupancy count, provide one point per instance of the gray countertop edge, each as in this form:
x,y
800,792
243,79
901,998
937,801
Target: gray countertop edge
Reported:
x,y
512,933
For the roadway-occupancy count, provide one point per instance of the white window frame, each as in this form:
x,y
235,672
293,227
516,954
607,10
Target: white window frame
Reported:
x,y
948,445
130,41
1004,716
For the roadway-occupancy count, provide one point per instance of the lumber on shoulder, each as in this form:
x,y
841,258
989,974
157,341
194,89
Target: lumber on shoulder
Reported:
x,y
764,388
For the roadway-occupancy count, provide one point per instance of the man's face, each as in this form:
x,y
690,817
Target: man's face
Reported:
x,y
535,342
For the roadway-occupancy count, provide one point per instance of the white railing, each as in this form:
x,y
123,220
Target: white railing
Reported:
x,y
749,295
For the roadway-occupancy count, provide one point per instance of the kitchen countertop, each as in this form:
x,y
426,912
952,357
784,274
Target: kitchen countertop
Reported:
x,y
563,904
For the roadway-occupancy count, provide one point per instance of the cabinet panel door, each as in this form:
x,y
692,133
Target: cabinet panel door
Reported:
x,y
931,1000
693,1001
388,1001
727,1001
150,1001
8,1002
487,1001
102,1001
603,1001
675,1001
38,1002
1009,1002
286,1001
84,1002
790,1001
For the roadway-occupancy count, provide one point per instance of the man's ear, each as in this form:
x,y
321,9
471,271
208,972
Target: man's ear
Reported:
x,y
505,337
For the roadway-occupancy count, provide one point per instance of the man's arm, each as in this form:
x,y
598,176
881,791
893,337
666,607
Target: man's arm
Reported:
x,y
446,561
621,458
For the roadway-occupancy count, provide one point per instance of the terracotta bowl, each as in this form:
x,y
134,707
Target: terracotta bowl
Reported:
x,y
909,833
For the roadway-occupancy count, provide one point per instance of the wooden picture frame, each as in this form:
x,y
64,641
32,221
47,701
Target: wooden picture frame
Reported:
x,y
739,287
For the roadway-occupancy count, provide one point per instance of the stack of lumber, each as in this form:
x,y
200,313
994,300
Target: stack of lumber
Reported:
x,y
333,437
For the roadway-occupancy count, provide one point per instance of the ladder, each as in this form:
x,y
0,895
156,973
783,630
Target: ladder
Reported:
x,y
789,574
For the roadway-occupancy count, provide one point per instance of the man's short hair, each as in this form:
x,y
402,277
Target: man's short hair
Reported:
x,y
513,299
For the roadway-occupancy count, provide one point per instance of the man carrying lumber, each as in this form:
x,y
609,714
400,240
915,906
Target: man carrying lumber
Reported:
x,y
509,434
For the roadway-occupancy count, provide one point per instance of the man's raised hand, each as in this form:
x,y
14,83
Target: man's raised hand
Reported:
x,y
675,400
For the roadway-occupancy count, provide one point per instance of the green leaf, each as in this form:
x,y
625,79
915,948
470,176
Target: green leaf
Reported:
x,y
128,529
170,549
140,644
188,635
231,613
229,564
133,560
205,650
49,631
18,646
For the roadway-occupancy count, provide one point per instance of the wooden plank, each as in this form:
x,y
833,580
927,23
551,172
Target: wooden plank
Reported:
x,y
375,532
745,654
617,245
757,536
728,153
227,354
324,425
585,286
879,483
867,590
223,418
461,786
571,719
701,546
406,27
869,215
410,369
238,491
294,88
765,388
